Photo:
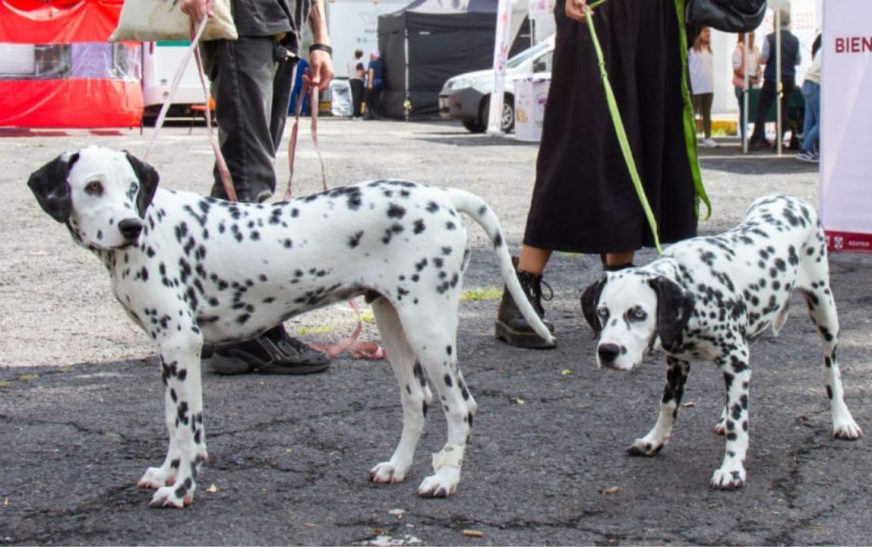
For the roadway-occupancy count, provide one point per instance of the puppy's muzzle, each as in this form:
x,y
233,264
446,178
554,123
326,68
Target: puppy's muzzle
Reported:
x,y
130,229
608,353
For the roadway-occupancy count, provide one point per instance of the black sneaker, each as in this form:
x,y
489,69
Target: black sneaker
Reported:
x,y
274,352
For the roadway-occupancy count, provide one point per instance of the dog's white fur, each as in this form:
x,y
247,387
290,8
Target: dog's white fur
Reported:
x,y
206,270
708,298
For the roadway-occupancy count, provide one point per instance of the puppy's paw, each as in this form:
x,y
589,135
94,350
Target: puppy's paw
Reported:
x,y
441,484
177,497
847,430
157,477
728,478
387,472
644,447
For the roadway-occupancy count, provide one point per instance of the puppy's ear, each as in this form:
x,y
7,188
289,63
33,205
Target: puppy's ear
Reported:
x,y
49,185
589,301
674,307
148,179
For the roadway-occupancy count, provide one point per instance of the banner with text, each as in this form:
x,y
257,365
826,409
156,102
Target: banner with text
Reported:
x,y
846,116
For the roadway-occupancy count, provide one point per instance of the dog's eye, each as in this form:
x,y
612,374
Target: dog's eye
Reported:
x,y
603,314
94,188
134,187
636,314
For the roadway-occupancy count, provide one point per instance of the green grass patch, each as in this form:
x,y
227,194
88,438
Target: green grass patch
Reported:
x,y
477,295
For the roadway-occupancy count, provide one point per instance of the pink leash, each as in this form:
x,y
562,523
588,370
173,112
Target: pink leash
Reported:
x,y
357,349
223,171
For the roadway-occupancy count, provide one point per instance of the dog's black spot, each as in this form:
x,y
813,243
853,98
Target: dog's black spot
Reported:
x,y
396,211
354,240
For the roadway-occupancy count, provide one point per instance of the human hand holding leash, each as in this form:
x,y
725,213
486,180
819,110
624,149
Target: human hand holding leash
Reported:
x,y
577,10
197,9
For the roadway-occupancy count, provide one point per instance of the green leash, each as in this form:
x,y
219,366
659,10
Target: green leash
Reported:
x,y
622,133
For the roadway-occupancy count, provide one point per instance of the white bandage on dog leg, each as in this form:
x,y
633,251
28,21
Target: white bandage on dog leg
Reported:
x,y
451,455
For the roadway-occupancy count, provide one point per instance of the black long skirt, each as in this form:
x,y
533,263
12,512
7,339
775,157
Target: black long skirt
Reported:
x,y
583,199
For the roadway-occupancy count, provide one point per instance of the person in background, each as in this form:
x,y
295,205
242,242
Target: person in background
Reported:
x,y
297,91
356,76
702,82
746,60
811,92
790,58
375,82
251,82
583,199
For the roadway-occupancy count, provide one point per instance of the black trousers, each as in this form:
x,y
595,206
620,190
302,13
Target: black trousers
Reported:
x,y
356,96
373,102
251,85
767,96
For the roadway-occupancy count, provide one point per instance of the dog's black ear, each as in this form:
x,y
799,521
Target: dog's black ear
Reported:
x,y
49,185
674,307
589,301
148,179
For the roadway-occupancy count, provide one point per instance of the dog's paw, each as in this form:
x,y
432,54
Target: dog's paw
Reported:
x,y
157,477
441,484
644,448
847,430
728,478
173,497
387,472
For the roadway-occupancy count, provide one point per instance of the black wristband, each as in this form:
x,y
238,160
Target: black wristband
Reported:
x,y
321,47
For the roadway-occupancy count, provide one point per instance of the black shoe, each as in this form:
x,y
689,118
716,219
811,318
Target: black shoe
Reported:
x,y
273,352
511,327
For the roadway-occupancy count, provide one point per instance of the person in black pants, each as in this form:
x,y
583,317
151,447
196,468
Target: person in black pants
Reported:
x,y
375,82
790,58
251,82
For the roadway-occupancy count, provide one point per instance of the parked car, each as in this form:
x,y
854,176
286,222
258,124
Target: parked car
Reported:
x,y
466,97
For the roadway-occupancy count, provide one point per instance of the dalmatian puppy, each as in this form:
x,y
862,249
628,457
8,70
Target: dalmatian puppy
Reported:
x,y
708,298
191,269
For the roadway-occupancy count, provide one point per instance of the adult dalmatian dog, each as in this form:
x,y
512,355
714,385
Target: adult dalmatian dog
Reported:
x,y
708,298
190,269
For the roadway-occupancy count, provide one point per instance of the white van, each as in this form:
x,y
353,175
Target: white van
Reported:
x,y
160,60
466,97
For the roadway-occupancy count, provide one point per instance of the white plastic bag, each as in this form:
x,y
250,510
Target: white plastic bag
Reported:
x,y
151,20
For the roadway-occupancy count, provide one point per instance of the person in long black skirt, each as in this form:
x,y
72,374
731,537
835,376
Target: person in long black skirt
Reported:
x,y
583,199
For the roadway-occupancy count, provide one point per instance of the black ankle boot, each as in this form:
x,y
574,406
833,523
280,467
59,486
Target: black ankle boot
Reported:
x,y
511,327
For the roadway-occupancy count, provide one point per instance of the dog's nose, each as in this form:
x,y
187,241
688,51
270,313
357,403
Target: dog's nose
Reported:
x,y
608,352
130,228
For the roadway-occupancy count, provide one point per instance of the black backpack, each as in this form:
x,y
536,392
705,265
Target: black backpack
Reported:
x,y
726,15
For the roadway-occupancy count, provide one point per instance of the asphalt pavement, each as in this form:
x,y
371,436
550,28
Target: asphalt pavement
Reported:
x,y
81,410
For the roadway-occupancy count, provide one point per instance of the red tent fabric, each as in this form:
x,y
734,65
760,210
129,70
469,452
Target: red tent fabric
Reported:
x,y
76,84
58,21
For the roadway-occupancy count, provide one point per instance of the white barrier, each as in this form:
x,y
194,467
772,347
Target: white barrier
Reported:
x,y
530,96
846,125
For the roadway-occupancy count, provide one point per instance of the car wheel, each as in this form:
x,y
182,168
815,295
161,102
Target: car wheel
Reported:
x,y
507,117
474,126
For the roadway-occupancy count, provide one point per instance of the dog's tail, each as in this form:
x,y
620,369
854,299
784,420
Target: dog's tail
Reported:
x,y
481,212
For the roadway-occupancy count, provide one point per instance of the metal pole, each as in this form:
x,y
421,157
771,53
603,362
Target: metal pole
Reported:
x,y
780,84
406,109
745,95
